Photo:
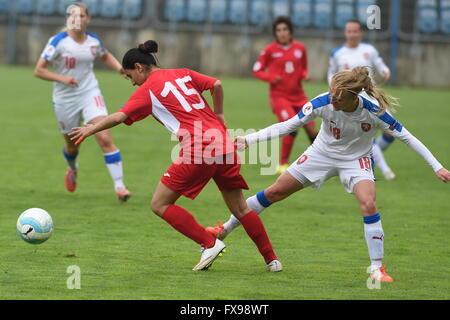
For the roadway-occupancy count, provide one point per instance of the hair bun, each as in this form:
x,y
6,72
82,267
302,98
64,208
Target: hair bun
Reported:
x,y
149,47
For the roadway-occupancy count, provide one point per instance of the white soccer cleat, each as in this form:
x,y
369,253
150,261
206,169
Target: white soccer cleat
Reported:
x,y
389,175
274,266
209,255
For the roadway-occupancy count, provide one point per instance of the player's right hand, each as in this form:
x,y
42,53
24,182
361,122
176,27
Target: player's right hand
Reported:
x,y
70,82
240,143
443,175
78,134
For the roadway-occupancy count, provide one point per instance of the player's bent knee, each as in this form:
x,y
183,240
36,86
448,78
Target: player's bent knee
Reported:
x,y
157,207
105,142
241,212
71,149
368,206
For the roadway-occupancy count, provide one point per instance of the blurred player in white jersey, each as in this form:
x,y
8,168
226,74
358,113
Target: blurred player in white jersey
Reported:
x,y
76,93
354,53
352,112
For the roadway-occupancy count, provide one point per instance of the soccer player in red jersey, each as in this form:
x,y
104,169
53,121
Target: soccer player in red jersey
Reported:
x,y
173,97
283,64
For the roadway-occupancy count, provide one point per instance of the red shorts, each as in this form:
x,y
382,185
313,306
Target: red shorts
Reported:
x,y
285,109
190,179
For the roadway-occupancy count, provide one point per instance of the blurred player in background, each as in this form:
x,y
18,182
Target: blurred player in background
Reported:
x,y
173,97
284,64
76,93
352,112
354,53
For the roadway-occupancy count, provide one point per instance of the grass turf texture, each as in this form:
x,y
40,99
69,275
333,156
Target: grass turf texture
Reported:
x,y
126,252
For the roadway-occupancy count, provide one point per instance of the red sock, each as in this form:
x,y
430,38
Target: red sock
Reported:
x,y
287,142
185,223
255,229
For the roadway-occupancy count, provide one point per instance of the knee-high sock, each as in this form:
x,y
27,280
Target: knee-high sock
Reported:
x,y
373,232
113,162
257,203
256,231
184,222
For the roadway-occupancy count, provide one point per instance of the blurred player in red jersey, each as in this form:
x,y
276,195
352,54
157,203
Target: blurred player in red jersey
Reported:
x,y
284,64
173,97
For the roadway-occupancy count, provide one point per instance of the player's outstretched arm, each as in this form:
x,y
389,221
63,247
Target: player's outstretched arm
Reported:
x,y
277,130
415,144
78,134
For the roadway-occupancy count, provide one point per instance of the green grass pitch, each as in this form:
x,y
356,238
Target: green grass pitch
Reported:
x,y
126,252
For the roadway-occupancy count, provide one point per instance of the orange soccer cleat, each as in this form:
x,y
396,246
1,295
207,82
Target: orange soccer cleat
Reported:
x,y
123,194
218,231
71,180
381,275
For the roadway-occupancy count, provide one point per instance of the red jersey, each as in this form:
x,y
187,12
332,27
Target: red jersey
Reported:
x,y
288,62
173,97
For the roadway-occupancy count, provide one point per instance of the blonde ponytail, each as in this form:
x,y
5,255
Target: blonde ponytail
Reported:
x,y
358,79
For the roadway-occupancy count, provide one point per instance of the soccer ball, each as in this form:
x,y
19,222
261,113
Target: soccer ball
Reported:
x,y
35,225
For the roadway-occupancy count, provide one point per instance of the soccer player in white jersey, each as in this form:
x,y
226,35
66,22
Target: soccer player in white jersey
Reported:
x,y
352,112
76,93
355,53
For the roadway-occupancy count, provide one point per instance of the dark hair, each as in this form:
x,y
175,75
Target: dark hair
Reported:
x,y
355,21
143,54
282,19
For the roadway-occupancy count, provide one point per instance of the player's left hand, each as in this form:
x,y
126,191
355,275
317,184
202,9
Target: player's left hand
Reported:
x,y
78,134
443,175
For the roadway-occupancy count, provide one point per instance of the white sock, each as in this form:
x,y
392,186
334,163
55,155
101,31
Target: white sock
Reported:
x,y
253,203
378,158
114,164
375,264
373,232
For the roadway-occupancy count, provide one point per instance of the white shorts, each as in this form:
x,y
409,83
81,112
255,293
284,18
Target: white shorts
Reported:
x,y
317,168
70,115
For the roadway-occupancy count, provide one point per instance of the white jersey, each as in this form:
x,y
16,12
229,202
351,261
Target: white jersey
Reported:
x,y
345,135
71,58
364,55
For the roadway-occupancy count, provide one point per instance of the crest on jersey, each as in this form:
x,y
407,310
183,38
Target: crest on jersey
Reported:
x,y
302,159
366,55
257,66
298,54
50,51
307,109
366,126
94,50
